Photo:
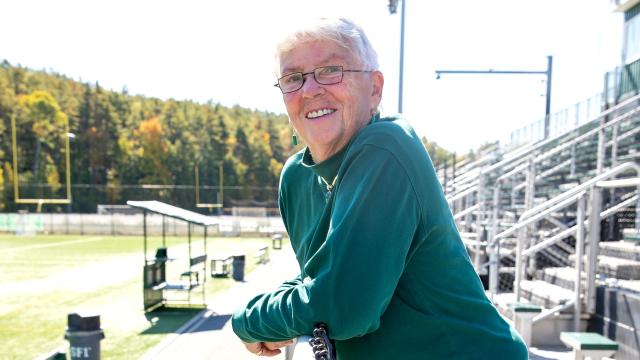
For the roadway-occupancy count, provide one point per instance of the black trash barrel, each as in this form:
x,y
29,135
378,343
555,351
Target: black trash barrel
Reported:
x,y
84,335
276,241
238,267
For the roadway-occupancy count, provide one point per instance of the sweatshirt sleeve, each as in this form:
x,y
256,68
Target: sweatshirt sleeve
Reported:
x,y
351,278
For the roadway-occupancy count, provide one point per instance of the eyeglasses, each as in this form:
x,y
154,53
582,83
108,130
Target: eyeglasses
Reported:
x,y
326,75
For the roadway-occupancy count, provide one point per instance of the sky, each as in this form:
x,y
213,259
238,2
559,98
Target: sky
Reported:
x,y
223,51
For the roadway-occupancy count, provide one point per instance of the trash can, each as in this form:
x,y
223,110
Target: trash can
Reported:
x,y
238,267
84,335
276,241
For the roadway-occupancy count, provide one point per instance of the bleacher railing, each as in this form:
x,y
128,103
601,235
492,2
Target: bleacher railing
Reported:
x,y
560,202
559,122
477,202
620,83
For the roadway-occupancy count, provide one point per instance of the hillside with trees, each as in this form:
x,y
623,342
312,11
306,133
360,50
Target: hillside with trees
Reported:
x,y
130,147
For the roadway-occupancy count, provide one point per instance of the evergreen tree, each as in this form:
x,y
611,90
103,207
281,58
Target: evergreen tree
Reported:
x,y
123,141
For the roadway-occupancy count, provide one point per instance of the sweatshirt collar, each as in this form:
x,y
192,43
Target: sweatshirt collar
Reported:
x,y
328,169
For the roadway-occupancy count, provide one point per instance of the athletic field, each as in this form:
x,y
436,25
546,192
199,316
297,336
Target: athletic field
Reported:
x,y
45,277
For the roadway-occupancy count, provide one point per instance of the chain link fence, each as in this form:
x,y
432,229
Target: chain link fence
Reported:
x,y
239,224
87,197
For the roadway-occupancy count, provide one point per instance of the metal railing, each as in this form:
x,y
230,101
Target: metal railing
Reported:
x,y
514,160
517,157
577,196
472,206
559,122
300,349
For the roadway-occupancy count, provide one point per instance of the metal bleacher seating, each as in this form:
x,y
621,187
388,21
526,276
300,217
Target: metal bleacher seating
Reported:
x,y
540,216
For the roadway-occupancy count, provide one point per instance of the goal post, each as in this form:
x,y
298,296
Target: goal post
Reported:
x,y
16,180
200,204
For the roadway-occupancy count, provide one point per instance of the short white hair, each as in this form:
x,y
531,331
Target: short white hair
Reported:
x,y
343,32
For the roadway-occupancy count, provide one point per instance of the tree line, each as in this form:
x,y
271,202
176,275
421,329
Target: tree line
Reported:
x,y
131,147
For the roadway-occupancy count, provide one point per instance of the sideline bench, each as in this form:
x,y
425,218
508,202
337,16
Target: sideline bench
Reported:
x,y
196,266
221,266
262,255
589,344
156,283
276,241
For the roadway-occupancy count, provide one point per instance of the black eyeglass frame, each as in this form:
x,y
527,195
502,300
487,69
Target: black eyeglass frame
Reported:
x,y
315,77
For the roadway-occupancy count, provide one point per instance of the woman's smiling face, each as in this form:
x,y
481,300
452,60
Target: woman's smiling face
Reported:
x,y
326,117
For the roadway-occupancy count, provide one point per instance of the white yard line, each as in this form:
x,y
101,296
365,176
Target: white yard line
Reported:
x,y
85,278
89,277
61,243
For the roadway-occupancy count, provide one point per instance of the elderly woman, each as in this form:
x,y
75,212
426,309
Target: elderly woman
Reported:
x,y
381,260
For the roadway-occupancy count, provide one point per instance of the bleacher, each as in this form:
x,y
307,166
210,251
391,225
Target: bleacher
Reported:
x,y
519,210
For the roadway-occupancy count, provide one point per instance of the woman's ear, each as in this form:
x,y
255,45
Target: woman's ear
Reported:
x,y
377,85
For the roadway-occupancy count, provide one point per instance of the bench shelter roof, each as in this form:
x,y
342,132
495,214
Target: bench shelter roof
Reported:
x,y
174,212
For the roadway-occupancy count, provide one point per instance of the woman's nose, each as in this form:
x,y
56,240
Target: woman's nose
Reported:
x,y
310,87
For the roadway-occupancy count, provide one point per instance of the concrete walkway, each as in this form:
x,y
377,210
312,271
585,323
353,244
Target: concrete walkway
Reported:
x,y
209,335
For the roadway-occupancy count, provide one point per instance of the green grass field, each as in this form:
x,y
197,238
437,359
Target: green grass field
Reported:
x,y
45,277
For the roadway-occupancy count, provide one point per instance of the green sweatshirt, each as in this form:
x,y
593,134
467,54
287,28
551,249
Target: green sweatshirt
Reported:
x,y
381,260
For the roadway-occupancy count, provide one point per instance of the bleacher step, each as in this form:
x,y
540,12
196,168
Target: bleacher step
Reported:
x,y
542,293
621,249
631,235
589,344
631,285
619,268
615,267
564,277
545,332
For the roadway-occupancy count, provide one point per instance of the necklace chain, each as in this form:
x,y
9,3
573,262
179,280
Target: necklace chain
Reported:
x,y
329,186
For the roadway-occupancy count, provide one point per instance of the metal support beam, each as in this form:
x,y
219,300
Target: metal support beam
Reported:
x,y
204,278
529,203
572,166
548,73
144,233
614,162
522,235
638,210
393,8
595,204
480,222
189,239
577,309
494,247
164,226
601,143
547,106
467,217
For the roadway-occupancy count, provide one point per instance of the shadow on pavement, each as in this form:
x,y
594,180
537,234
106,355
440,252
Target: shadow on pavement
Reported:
x,y
168,320
214,322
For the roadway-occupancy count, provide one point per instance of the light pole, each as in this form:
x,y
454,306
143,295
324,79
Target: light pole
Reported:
x,y
393,7
547,72
72,137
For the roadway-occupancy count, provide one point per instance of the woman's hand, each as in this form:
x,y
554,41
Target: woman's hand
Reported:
x,y
267,348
